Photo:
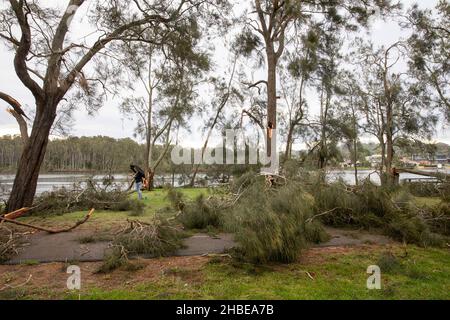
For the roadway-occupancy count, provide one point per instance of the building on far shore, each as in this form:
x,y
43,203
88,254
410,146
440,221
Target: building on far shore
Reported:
x,y
374,160
429,160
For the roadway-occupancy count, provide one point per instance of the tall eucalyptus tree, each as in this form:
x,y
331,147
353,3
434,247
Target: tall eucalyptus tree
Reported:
x,y
51,63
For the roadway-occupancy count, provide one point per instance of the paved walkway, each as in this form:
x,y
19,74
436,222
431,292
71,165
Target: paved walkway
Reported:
x,y
65,247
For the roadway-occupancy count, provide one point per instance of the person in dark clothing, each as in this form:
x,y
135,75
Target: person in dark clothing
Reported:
x,y
138,178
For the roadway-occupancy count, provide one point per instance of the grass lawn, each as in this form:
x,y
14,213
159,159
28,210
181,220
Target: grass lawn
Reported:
x,y
321,273
425,274
154,201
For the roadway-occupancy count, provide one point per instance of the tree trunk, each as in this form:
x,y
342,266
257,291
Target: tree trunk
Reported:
x,y
271,99
383,161
389,147
355,142
288,153
355,160
25,183
149,147
389,158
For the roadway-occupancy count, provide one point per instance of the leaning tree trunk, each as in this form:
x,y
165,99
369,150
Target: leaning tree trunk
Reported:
x,y
25,183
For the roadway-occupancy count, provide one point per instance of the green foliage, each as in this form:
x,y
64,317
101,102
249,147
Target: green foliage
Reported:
x,y
176,199
393,210
64,200
246,43
201,213
157,238
439,219
365,208
273,225
423,189
114,259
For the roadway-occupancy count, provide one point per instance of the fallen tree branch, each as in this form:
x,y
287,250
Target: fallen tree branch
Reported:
x,y
17,214
216,255
321,214
7,286
76,225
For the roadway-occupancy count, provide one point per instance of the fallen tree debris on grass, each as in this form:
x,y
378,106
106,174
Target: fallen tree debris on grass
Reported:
x,y
7,286
51,231
65,200
157,238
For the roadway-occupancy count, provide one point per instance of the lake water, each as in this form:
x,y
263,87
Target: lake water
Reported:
x,y
48,182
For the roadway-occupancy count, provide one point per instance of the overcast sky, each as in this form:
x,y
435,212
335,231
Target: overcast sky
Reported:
x,y
109,122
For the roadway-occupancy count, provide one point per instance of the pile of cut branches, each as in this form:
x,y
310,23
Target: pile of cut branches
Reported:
x,y
157,238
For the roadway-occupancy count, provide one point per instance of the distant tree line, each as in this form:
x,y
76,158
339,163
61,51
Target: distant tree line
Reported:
x,y
104,154
100,154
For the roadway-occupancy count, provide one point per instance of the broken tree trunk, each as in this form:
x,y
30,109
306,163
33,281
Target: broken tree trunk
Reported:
x,y
437,175
17,214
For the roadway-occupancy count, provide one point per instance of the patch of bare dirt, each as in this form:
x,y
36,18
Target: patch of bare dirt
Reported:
x,y
52,277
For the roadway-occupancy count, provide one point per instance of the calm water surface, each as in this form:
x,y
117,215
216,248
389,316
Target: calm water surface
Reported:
x,y
48,182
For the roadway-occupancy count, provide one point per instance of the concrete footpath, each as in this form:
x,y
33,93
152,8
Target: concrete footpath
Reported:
x,y
65,247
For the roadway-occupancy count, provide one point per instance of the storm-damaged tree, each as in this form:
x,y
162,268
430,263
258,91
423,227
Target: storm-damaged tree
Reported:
x,y
51,63
395,104
429,50
268,27
169,72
